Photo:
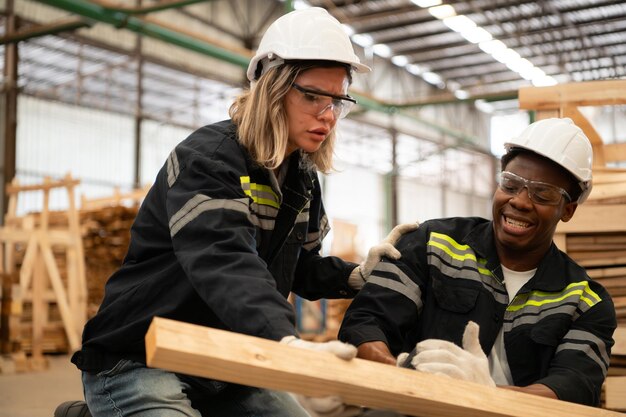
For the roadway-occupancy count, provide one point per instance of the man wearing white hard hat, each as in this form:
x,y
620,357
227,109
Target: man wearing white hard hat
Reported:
x,y
495,301
232,225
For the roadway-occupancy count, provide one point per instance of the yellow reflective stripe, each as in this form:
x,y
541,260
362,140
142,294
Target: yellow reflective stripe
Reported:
x,y
262,187
265,201
259,187
586,290
458,246
450,241
584,284
452,254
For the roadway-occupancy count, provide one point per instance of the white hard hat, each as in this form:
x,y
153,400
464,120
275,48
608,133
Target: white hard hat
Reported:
x,y
561,141
307,34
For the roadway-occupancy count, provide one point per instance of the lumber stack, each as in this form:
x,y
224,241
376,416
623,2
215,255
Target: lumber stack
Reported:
x,y
106,235
55,265
596,239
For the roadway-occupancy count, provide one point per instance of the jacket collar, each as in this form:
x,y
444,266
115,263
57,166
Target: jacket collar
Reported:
x,y
551,271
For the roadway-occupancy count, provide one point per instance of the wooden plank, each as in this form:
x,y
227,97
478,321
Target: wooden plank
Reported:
x,y
597,238
615,152
592,218
546,114
620,341
607,272
602,262
615,393
46,186
560,241
202,351
597,254
607,177
592,93
607,191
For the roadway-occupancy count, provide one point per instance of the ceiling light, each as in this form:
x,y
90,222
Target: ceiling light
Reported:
x,y
483,106
476,35
432,78
461,94
382,50
453,85
544,81
506,56
520,65
363,40
400,60
415,69
426,3
459,23
537,73
348,29
492,46
527,73
443,11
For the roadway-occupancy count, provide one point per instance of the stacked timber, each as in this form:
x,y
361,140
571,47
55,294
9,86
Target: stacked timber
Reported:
x,y
106,235
102,233
596,239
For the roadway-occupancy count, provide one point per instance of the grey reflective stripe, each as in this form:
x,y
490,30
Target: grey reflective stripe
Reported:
x,y
173,168
405,286
313,239
470,272
263,210
261,223
303,217
590,338
198,204
520,317
587,350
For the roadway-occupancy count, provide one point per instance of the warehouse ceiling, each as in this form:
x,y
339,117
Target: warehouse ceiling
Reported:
x,y
480,47
459,50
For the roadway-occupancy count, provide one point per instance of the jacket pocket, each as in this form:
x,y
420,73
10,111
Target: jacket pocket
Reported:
x,y
549,331
452,295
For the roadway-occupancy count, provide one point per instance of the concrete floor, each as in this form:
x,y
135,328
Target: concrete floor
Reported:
x,y
36,394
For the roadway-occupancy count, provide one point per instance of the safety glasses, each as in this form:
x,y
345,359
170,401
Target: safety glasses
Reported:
x,y
315,102
538,192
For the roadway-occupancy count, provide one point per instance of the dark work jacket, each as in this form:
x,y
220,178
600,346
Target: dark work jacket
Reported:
x,y
217,243
557,330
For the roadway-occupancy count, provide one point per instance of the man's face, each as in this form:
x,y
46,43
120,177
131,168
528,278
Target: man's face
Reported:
x,y
521,225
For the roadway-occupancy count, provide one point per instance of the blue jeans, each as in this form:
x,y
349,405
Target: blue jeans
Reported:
x,y
132,389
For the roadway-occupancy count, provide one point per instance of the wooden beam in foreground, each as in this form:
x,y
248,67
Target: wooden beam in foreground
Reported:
x,y
232,357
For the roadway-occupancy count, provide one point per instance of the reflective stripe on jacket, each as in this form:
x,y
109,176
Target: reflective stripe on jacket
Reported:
x,y
557,330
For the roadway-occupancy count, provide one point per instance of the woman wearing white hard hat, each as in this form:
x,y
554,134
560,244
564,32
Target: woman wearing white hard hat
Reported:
x,y
231,226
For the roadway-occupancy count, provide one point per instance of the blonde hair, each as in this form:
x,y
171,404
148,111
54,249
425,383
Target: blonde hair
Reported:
x,y
261,119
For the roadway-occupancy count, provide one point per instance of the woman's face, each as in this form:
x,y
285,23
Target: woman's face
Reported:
x,y
308,130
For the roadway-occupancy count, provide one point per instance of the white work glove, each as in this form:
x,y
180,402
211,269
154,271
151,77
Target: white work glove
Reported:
x,y
401,358
361,273
445,358
340,349
331,406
